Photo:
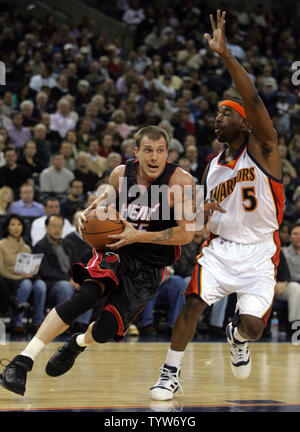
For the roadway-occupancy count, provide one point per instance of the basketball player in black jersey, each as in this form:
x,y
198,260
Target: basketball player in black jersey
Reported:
x,y
129,278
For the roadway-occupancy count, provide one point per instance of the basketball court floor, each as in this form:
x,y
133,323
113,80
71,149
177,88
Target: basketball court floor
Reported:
x,y
116,377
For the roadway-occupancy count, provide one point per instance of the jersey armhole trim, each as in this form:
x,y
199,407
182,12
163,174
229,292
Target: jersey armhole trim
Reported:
x,y
263,170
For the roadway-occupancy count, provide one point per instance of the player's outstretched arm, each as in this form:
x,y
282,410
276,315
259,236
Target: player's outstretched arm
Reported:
x,y
264,145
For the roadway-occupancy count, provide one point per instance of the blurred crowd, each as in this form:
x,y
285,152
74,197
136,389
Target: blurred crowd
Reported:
x,y
74,96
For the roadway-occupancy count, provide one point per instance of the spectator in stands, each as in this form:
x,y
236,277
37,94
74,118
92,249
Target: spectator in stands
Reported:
x,y
170,295
6,199
43,79
79,250
288,287
66,149
127,149
27,107
5,121
38,228
43,145
21,285
97,164
13,174
113,160
60,121
73,200
30,160
55,267
18,134
284,233
56,179
83,173
41,104
122,127
26,206
85,133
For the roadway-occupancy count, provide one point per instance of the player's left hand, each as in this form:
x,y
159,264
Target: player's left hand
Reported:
x,y
217,42
128,236
212,205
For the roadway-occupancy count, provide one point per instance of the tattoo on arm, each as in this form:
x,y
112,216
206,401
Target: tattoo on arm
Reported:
x,y
165,235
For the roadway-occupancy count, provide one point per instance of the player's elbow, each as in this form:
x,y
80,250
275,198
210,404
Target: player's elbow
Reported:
x,y
188,237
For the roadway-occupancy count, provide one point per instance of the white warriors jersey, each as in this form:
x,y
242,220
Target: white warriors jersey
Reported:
x,y
253,199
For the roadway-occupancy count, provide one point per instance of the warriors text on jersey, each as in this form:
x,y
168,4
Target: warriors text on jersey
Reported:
x,y
253,199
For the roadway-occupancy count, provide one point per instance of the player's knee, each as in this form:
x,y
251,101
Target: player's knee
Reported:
x,y
104,327
80,302
193,308
253,328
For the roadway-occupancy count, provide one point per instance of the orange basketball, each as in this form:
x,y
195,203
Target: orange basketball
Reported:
x,y
99,224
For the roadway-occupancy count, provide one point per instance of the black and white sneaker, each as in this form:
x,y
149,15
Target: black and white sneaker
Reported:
x,y
167,385
64,358
240,358
14,375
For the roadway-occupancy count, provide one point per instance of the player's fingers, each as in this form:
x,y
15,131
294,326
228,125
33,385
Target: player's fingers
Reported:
x,y
115,245
218,18
212,21
207,37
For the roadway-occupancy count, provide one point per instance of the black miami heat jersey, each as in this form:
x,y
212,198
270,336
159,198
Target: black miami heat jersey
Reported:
x,y
148,209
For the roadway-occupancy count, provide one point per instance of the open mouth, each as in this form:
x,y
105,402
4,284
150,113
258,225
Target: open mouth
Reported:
x,y
153,167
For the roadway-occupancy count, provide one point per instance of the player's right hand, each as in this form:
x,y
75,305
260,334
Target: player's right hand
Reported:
x,y
82,218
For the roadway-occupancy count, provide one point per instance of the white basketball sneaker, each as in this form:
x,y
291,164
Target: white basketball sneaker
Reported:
x,y
167,385
240,359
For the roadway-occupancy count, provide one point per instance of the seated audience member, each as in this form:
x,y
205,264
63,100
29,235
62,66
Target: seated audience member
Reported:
x,y
13,174
60,121
83,173
38,228
170,295
56,179
97,164
73,200
21,285
113,160
18,134
55,267
30,160
288,287
43,145
6,199
26,206
79,250
284,233
66,149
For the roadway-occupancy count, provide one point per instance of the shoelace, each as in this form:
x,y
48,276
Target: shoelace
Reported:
x,y
166,375
239,352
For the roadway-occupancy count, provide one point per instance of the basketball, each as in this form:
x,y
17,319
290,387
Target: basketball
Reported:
x,y
99,224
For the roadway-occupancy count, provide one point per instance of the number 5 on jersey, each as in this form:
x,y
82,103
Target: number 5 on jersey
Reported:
x,y
248,194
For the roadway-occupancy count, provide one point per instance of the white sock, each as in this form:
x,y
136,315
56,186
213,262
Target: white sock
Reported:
x,y
174,358
33,348
80,340
237,336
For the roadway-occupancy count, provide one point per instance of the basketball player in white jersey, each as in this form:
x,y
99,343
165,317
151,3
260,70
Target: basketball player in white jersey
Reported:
x,y
242,251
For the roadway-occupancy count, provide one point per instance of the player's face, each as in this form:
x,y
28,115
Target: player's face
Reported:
x,y
228,124
152,157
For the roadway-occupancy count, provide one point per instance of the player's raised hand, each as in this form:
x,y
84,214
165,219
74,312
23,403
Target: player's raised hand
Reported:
x,y
217,42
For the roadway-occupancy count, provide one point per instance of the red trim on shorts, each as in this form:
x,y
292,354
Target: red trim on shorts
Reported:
x,y
110,308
